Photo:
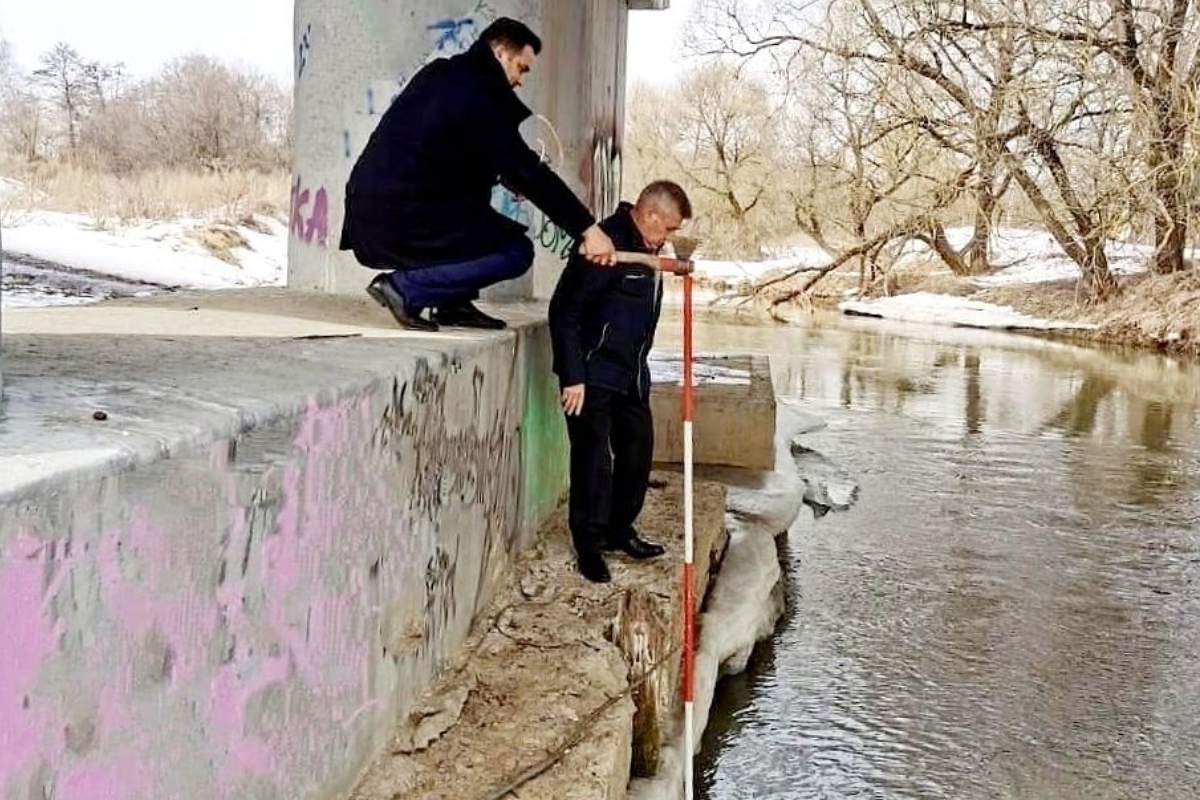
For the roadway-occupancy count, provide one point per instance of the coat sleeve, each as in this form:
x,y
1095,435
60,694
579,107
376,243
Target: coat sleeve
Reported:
x,y
522,171
581,284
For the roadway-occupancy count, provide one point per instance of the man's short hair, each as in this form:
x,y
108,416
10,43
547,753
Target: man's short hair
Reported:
x,y
667,192
511,35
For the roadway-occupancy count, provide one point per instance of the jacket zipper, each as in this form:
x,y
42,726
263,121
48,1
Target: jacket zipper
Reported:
x,y
599,344
642,349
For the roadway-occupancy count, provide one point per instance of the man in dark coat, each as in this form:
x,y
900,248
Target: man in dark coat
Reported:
x,y
418,202
602,322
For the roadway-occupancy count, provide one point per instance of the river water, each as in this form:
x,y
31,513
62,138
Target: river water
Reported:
x,y
1012,607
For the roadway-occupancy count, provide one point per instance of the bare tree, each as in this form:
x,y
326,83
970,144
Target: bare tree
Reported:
x,y
21,128
976,83
1153,43
200,112
71,83
713,132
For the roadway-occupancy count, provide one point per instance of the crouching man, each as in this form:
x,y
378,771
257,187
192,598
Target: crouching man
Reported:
x,y
602,322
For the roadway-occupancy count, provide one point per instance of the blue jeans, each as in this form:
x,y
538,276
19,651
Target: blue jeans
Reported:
x,y
460,282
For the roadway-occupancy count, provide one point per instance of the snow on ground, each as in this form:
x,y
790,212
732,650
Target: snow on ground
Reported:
x,y
738,272
1031,256
1023,256
25,297
162,253
941,309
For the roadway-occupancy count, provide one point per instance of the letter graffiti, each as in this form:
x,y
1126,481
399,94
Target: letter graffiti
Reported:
x,y
542,231
310,226
553,238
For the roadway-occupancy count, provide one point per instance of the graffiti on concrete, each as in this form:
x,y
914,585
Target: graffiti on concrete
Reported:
x,y
510,205
232,608
454,35
552,238
309,223
542,230
606,175
303,50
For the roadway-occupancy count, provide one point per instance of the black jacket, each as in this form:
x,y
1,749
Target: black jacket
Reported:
x,y
421,191
602,319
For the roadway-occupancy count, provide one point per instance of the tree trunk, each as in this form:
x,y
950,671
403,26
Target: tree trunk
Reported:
x,y
977,252
952,258
1100,278
1171,221
1089,257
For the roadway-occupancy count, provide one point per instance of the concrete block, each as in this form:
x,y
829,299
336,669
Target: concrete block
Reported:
x,y
734,414
287,518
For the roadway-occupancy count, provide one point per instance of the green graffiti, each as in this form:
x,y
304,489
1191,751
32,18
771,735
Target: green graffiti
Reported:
x,y
544,463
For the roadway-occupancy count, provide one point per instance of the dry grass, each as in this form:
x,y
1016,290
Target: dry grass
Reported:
x,y
152,195
220,239
1160,312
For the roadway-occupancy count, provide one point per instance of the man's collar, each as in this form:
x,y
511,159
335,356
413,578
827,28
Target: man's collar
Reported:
x,y
482,55
626,209
483,59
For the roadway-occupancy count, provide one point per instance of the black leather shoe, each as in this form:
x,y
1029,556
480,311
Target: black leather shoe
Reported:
x,y
635,547
466,315
382,291
592,567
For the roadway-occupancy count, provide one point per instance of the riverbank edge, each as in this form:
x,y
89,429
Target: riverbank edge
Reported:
x,y
1153,313
542,699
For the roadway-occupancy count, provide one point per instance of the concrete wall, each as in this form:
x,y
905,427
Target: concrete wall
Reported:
x,y
354,56
232,586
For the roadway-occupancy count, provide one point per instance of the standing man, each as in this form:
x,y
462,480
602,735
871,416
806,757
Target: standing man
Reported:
x,y
602,322
418,202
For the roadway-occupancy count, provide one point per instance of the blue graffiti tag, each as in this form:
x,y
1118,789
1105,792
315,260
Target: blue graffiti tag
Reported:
x,y
454,35
508,204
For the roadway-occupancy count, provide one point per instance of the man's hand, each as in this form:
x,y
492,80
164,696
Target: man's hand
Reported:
x,y
572,400
598,247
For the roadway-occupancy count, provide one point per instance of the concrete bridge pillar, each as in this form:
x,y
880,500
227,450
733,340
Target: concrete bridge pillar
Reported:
x,y
353,56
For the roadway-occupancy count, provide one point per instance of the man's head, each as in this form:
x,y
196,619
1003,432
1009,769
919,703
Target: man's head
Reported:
x,y
660,211
515,46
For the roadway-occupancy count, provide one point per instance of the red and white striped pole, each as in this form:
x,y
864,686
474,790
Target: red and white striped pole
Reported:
x,y
689,547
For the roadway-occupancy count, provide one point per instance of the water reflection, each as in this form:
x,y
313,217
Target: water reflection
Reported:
x,y
1013,608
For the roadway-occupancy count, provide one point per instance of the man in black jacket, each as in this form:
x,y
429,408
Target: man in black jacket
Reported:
x,y
418,201
602,322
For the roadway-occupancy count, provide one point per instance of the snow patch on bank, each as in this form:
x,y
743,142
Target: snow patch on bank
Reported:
x,y
1024,257
162,253
939,309
739,272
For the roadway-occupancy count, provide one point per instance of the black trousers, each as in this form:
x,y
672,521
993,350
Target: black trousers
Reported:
x,y
612,445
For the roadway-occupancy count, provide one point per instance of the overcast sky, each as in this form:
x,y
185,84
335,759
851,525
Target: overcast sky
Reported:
x,y
146,33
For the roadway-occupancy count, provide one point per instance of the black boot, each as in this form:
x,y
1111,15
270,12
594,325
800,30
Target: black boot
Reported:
x,y
593,567
466,315
634,546
384,292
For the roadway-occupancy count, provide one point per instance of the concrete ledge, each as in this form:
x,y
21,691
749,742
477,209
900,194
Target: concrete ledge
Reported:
x,y
735,411
265,549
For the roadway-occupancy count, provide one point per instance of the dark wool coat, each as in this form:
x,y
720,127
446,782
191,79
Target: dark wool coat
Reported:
x,y
421,191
